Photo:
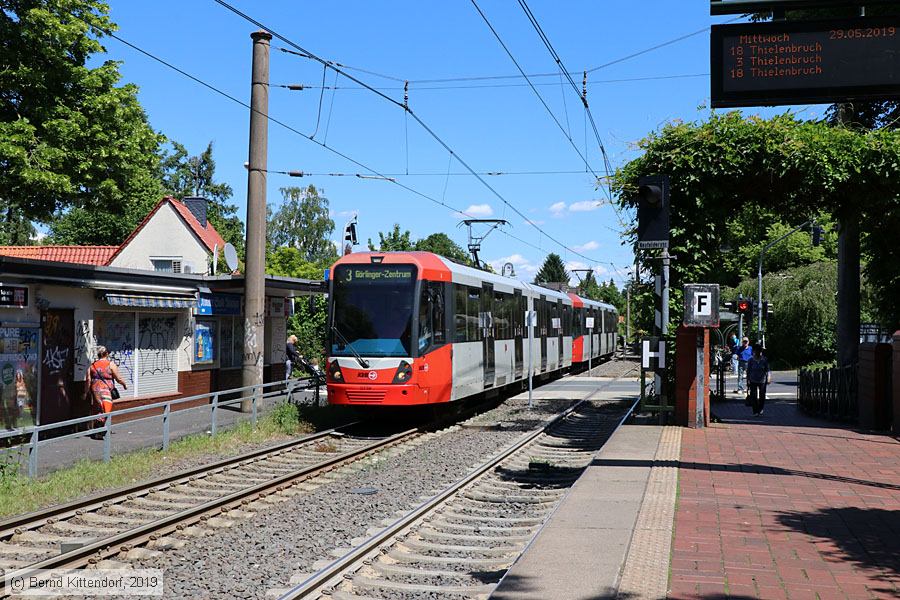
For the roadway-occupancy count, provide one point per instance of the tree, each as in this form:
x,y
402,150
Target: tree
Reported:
x,y
801,329
553,270
589,288
393,241
765,174
71,138
442,245
308,322
609,293
183,175
303,222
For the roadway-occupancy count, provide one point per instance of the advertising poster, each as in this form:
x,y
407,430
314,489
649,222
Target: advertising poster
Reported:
x,y
204,342
18,376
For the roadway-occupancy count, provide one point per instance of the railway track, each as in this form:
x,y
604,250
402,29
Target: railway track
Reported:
x,y
460,543
119,522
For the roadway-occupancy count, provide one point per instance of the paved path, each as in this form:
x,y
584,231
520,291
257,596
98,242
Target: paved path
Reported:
x,y
578,554
785,506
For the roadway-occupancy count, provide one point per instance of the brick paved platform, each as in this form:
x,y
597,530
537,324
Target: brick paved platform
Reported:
x,y
786,506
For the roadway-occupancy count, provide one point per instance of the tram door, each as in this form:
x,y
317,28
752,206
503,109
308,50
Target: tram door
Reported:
x,y
487,332
559,331
542,330
518,317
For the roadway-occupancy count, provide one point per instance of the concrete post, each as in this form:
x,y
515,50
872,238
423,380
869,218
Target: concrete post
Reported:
x,y
255,263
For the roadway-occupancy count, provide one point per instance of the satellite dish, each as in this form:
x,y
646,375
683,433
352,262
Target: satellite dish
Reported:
x,y
231,258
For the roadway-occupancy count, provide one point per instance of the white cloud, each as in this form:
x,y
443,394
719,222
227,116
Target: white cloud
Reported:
x,y
587,246
584,206
477,211
558,209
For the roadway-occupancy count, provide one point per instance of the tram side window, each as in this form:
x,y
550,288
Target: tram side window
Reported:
x,y
473,308
567,320
460,295
431,316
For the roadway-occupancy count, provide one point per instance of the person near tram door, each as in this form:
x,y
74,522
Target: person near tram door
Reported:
x,y
101,385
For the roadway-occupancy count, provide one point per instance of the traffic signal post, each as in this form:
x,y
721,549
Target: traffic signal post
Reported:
x,y
816,231
653,232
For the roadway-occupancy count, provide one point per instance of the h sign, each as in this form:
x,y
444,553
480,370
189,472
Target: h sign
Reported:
x,y
701,305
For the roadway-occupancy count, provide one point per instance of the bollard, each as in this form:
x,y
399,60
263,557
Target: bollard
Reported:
x,y
107,439
212,419
33,454
166,411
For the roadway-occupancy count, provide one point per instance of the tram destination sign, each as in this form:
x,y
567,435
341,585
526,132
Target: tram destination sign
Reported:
x,y
805,62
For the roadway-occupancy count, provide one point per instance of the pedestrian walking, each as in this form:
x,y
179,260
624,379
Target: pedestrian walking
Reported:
x,y
758,376
101,385
745,353
291,356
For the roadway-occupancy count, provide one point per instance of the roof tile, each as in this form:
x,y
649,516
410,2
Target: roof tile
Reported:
x,y
82,255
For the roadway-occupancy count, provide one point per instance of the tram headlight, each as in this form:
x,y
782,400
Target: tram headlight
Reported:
x,y
404,373
334,370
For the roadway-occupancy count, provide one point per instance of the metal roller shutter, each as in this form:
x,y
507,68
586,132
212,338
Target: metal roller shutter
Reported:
x,y
115,330
157,362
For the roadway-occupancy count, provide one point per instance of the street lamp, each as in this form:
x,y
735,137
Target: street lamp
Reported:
x,y
817,235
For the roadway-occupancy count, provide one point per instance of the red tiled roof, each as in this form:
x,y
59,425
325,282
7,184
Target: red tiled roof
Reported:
x,y
208,235
82,255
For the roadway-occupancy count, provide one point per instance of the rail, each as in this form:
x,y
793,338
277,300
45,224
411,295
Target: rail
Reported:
x,y
257,394
335,570
829,393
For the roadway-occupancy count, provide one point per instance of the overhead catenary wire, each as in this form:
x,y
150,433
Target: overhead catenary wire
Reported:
x,y
533,88
582,94
469,78
411,113
304,86
280,123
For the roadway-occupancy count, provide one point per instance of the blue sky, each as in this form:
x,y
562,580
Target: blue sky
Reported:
x,y
493,129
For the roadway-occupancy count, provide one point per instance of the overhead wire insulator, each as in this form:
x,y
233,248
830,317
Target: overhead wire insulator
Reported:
x,y
295,174
406,95
295,87
584,89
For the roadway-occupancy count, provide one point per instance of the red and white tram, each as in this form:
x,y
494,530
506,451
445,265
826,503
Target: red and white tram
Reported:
x,y
412,328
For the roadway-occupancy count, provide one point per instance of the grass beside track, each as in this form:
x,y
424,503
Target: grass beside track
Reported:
x,y
19,494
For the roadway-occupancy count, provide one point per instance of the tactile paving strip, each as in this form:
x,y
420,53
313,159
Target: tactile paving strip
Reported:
x,y
646,570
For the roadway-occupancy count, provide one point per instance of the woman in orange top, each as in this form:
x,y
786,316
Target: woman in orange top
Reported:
x,y
101,378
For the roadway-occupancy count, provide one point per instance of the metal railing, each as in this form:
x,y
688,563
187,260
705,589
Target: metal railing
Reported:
x,y
829,393
257,394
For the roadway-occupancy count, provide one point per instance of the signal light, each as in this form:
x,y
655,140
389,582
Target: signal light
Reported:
x,y
745,307
816,235
653,209
350,234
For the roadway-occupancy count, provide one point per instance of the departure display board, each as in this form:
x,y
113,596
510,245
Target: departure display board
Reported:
x,y
805,62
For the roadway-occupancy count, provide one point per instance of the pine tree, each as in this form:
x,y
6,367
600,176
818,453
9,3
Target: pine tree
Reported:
x,y
552,271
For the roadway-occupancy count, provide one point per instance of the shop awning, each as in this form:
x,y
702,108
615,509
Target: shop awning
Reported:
x,y
151,301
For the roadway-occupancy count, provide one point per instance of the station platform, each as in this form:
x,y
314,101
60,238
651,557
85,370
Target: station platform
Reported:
x,y
781,506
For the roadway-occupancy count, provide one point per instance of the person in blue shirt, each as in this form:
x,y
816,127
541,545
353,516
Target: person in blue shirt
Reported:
x,y
758,376
745,353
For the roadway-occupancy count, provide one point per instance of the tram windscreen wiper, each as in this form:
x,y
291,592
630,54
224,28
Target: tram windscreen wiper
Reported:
x,y
362,362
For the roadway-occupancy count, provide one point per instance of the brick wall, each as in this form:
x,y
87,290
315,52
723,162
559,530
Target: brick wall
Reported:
x,y
874,386
896,382
686,376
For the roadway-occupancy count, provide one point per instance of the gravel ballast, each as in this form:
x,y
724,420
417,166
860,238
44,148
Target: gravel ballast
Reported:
x,y
290,536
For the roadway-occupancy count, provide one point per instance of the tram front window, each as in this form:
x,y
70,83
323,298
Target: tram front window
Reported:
x,y
372,307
